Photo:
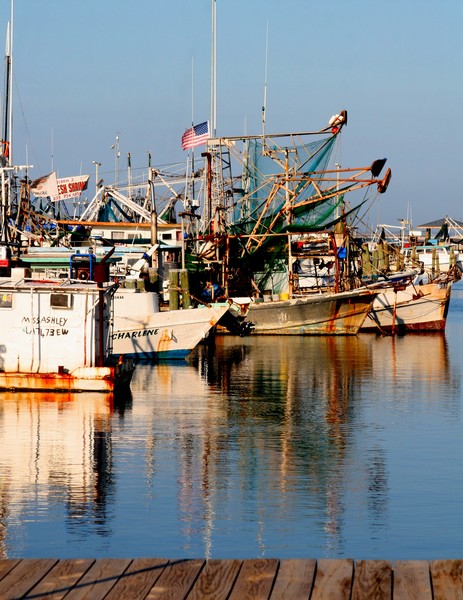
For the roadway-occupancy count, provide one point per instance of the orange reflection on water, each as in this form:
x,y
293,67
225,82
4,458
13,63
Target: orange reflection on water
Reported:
x,y
53,446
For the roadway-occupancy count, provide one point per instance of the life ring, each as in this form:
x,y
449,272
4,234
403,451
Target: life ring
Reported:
x,y
83,275
6,148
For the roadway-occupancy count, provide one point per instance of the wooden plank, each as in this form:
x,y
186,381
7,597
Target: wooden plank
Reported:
x,y
255,579
333,579
176,580
259,579
215,580
138,579
412,580
294,579
61,579
6,565
99,579
447,579
24,577
372,580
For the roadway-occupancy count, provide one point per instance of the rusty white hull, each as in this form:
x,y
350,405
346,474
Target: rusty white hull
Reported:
x,y
83,379
55,334
143,332
415,308
318,314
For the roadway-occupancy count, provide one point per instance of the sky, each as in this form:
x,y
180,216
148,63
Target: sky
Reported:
x,y
87,71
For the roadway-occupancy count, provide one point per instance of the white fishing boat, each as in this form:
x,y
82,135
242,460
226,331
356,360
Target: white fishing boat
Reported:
x,y
146,333
410,306
289,187
56,335
326,313
417,300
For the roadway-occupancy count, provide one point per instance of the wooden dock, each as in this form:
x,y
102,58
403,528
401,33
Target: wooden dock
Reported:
x,y
152,578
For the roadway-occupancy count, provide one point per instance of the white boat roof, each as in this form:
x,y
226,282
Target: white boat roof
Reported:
x,y
73,285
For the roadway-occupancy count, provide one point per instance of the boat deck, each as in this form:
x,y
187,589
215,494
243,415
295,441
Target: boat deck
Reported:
x,y
194,579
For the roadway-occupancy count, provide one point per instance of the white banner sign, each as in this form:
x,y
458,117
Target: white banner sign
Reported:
x,y
45,186
70,187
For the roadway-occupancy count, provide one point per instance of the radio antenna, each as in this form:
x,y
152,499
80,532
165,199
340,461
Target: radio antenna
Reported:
x,y
264,107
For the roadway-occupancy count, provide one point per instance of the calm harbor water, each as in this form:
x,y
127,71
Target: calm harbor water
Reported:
x,y
257,447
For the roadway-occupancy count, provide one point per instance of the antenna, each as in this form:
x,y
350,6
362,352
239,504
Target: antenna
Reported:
x,y
129,173
52,157
117,155
264,107
192,90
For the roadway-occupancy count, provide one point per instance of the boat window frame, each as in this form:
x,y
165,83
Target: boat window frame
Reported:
x,y
6,300
57,306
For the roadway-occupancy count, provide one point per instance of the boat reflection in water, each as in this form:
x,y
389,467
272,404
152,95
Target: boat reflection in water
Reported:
x,y
283,421
56,455
289,447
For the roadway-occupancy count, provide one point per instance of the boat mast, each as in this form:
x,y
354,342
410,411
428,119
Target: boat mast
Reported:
x,y
214,71
7,109
129,175
5,151
264,106
192,125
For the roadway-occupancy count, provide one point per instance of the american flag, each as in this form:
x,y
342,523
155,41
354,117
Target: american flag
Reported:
x,y
195,136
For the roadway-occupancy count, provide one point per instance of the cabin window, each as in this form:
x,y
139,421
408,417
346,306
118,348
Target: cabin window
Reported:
x,y
61,300
134,236
6,300
166,236
117,235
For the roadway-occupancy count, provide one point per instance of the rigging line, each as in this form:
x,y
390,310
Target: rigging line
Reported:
x,y
36,162
366,225
367,209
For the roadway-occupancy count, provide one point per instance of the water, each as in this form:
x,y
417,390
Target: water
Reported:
x,y
259,447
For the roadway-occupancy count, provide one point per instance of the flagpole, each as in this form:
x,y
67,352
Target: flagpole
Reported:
x,y
192,124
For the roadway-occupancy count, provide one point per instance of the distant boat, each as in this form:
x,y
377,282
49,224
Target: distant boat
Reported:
x,y
437,258
417,300
410,306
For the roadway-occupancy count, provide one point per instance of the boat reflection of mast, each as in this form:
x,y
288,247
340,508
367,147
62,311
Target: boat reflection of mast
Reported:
x,y
337,404
102,468
97,450
340,417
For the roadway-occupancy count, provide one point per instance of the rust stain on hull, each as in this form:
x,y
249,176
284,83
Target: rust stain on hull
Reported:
x,y
423,311
320,316
166,340
85,379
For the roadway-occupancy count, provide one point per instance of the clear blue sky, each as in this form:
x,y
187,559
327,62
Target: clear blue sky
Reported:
x,y
87,70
